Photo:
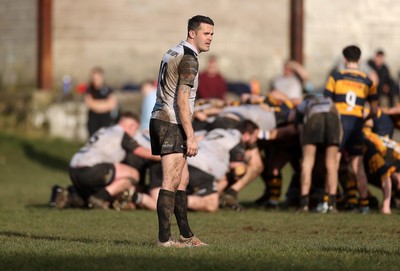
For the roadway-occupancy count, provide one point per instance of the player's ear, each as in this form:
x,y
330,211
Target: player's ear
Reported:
x,y
191,34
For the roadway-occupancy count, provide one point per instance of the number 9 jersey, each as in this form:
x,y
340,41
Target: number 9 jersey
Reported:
x,y
349,89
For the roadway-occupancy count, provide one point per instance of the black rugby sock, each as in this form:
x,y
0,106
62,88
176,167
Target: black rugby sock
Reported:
x,y
332,200
104,195
137,198
180,211
304,201
165,207
231,192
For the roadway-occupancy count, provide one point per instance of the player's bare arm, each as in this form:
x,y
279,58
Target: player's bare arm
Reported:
x,y
146,154
184,115
188,68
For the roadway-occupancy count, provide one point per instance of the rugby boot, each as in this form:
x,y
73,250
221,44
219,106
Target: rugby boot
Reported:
x,y
170,243
191,241
97,203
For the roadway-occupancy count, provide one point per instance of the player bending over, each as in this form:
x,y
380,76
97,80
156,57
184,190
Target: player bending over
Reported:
x,y
97,171
319,124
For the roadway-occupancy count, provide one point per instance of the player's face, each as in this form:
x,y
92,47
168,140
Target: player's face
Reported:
x,y
203,36
253,137
250,138
97,79
131,127
379,60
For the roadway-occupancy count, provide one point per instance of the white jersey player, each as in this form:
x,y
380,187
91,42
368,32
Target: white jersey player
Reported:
x,y
97,171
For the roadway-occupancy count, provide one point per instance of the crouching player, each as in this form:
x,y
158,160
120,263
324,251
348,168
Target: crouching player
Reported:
x,y
319,125
379,158
221,150
97,171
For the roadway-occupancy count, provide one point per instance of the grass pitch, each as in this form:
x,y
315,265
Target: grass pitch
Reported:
x,y
34,237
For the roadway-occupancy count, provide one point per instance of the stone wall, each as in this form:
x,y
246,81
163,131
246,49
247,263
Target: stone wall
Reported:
x,y
331,25
129,37
68,119
18,47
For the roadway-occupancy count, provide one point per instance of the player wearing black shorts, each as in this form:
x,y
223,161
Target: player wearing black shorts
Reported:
x,y
319,123
171,131
221,150
97,171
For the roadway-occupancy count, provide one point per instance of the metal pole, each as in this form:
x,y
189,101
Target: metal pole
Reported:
x,y
296,30
45,78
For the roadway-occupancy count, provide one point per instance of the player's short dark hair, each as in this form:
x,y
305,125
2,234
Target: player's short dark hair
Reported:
x,y
129,115
352,53
97,70
194,22
247,126
380,52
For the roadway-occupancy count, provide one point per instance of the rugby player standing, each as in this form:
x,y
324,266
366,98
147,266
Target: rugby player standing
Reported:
x,y
171,130
350,89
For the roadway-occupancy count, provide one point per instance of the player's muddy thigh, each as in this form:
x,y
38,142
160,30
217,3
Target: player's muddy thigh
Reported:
x,y
172,166
184,177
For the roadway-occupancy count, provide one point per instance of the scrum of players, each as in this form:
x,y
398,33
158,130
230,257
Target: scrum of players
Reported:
x,y
238,142
335,144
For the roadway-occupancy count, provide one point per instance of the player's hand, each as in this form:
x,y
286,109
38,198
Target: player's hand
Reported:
x,y
191,147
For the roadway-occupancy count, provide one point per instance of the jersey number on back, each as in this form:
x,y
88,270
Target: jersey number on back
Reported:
x,y
161,75
92,140
351,99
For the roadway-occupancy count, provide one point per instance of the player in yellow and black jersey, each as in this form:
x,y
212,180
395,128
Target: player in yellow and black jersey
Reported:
x,y
379,163
382,124
350,89
279,146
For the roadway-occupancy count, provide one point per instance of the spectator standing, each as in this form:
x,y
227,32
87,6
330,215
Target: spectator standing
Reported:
x,y
211,83
149,92
101,102
386,85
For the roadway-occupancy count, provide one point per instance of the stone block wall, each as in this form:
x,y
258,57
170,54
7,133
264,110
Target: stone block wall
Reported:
x,y
129,37
18,48
331,25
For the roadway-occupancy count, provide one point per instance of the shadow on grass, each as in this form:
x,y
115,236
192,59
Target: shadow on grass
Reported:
x,y
361,250
145,256
44,158
137,261
13,234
